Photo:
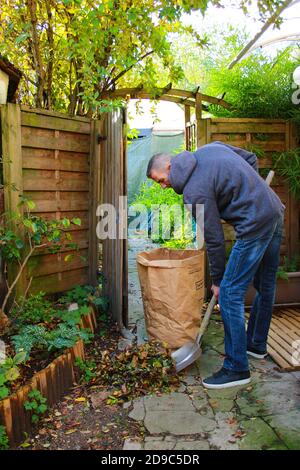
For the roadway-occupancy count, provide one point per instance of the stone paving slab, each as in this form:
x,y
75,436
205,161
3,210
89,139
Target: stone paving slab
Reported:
x,y
265,414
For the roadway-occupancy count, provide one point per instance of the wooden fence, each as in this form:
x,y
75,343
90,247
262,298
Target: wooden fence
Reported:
x,y
46,157
270,136
68,166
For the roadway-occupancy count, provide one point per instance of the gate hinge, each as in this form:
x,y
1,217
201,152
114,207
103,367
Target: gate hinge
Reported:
x,y
101,138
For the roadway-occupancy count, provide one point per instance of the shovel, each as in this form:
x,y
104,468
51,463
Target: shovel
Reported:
x,y
190,352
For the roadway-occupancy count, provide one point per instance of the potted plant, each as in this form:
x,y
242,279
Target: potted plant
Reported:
x,y
288,282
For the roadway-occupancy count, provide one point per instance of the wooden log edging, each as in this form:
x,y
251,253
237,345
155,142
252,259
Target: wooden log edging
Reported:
x,y
54,381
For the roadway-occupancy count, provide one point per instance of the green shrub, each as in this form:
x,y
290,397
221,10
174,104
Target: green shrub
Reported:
x,y
151,194
9,372
4,443
102,303
39,338
257,87
65,336
35,309
290,265
73,317
29,337
79,294
287,165
36,404
87,369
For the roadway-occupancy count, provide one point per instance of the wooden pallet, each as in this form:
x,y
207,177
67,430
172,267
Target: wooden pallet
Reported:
x,y
284,332
284,338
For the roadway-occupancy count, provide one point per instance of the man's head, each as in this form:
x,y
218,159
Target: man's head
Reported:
x,y
159,169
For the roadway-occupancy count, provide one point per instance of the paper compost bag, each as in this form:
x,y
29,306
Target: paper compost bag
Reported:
x,y
172,285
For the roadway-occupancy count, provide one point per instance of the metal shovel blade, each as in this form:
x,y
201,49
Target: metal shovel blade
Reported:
x,y
186,355
190,352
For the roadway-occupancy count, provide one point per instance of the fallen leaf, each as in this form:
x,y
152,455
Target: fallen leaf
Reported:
x,y
239,434
232,441
25,444
71,431
98,398
231,421
214,403
80,399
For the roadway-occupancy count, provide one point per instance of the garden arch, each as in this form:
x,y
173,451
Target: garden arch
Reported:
x,y
189,99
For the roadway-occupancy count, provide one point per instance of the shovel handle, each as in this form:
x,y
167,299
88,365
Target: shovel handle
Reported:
x,y
206,318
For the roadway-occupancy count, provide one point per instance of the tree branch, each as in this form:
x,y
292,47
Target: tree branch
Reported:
x,y
51,54
112,82
39,69
268,23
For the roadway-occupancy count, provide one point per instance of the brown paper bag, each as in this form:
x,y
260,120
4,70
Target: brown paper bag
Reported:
x,y
172,284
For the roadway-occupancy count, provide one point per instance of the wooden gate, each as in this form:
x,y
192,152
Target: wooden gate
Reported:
x,y
110,187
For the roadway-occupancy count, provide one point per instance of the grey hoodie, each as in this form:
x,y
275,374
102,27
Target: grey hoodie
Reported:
x,y
225,179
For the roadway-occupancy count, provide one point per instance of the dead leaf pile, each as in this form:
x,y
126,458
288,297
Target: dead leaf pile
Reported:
x,y
136,371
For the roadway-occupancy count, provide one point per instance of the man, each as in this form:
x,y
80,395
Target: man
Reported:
x,y
225,180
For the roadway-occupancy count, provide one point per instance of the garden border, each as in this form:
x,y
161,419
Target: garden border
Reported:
x,y
54,381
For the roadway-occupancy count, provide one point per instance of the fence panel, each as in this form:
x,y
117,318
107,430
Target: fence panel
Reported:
x,y
47,156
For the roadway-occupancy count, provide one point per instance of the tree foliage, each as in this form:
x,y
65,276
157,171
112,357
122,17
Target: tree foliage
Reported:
x,y
72,51
260,85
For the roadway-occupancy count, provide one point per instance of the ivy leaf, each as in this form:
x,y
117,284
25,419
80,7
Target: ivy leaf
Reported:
x,y
12,374
76,221
69,257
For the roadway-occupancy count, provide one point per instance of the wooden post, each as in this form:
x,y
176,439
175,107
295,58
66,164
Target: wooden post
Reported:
x,y
125,214
95,198
12,155
187,119
12,175
201,123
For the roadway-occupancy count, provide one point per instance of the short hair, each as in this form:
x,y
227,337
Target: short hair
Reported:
x,y
156,161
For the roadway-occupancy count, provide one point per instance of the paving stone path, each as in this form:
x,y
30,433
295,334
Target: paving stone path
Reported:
x,y
265,414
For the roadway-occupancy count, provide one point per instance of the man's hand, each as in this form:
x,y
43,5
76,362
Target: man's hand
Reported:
x,y
216,291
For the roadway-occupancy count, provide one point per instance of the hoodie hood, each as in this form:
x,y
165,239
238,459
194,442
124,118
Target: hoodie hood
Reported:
x,y
182,166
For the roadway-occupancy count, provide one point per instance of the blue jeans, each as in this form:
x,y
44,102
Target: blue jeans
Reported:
x,y
257,260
